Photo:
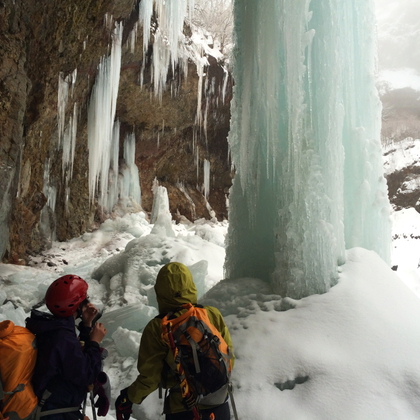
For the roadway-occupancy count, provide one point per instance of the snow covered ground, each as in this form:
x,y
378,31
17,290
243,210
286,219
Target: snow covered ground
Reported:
x,y
400,155
351,353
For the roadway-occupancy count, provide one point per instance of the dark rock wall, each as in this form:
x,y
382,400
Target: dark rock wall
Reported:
x,y
39,39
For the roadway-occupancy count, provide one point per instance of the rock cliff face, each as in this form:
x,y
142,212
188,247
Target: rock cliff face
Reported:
x,y
43,40
402,170
400,134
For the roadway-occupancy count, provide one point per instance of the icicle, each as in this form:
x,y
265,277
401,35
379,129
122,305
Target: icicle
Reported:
x,y
132,38
167,37
206,178
200,71
73,80
48,190
66,199
67,133
206,111
108,21
101,115
47,224
63,95
69,144
197,161
112,196
145,16
191,5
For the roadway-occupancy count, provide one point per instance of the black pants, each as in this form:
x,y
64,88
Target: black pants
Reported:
x,y
220,413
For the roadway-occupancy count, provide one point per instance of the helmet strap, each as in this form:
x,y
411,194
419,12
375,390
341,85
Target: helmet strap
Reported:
x,y
79,310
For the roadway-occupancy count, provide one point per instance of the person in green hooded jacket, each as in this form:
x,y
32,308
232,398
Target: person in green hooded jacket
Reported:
x,y
174,287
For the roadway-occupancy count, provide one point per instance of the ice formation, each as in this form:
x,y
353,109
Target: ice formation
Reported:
x,y
130,185
305,142
65,84
168,36
206,178
101,116
67,133
161,215
129,275
112,194
47,223
172,50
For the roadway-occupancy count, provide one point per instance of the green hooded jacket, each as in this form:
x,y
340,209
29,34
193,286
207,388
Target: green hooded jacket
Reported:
x,y
174,287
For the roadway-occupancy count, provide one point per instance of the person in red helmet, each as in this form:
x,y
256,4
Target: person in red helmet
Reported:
x,y
64,367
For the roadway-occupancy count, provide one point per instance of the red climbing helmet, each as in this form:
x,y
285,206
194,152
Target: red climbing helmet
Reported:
x,y
65,294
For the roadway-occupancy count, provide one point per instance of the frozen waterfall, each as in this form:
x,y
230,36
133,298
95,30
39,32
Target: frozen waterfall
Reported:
x,y
101,116
305,142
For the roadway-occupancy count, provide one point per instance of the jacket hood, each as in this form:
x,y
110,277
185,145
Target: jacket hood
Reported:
x,y
42,322
174,287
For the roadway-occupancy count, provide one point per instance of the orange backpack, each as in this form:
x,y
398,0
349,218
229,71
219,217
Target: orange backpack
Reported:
x,y
202,359
17,363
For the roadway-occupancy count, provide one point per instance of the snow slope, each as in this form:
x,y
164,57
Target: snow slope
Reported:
x,y
351,353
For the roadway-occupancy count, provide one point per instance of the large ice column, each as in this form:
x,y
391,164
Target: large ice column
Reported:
x,y
101,115
292,117
366,209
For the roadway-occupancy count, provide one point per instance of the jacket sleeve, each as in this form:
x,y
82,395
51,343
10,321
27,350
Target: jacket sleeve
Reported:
x,y
151,359
217,320
79,366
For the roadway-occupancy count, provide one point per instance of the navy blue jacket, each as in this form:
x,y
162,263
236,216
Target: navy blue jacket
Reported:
x,y
63,366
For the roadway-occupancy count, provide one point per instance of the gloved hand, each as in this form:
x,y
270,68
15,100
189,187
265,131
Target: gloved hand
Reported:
x,y
102,389
123,405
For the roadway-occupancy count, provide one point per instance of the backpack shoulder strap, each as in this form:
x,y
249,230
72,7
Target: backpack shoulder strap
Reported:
x,y
172,315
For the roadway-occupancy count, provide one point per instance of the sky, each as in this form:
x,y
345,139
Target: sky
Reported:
x,y
398,28
351,353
